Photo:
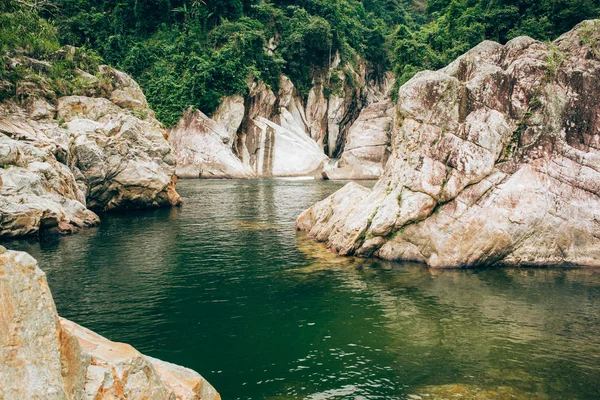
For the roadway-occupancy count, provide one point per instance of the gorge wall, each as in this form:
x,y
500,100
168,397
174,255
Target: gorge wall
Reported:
x,y
495,159
339,130
47,357
63,156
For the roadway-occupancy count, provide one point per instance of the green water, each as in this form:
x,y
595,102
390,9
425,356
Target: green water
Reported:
x,y
225,286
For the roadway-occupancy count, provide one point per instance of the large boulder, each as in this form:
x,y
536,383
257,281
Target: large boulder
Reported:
x,y
120,156
44,356
203,149
496,160
37,189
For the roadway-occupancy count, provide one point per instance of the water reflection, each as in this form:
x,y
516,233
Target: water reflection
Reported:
x,y
225,285
493,333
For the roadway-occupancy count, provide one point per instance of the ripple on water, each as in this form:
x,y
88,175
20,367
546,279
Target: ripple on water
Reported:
x,y
225,285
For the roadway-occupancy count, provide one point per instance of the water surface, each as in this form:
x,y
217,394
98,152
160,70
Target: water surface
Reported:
x,y
225,286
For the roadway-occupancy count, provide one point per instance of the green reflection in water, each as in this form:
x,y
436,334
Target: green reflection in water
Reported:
x,y
226,286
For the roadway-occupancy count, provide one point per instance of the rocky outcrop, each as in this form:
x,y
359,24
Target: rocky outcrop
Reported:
x,y
37,191
44,356
273,140
367,145
230,115
277,151
495,160
203,149
343,107
285,134
60,157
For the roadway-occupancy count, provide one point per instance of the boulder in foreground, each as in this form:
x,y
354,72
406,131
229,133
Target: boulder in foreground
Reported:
x,y
43,356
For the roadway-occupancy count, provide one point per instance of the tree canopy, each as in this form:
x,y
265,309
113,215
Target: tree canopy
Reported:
x,y
194,52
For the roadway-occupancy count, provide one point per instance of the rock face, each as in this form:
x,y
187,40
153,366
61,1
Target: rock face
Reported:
x,y
36,190
203,149
230,115
103,153
367,145
495,159
277,151
44,356
283,134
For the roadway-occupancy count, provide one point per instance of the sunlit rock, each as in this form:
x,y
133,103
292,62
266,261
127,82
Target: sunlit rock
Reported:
x,y
502,149
46,357
203,149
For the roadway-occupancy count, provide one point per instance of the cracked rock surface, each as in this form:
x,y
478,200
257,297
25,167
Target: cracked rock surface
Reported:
x,y
495,160
61,158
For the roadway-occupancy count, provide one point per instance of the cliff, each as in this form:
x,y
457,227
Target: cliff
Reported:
x,y
283,133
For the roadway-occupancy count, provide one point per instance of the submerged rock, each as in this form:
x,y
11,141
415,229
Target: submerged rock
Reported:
x,y
473,392
44,356
495,159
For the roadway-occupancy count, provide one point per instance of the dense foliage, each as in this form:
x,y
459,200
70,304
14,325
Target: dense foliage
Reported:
x,y
25,39
194,52
454,26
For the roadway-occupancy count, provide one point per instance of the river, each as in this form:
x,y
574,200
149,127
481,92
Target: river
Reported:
x,y
225,286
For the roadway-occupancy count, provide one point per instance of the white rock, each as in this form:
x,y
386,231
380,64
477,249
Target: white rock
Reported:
x,y
201,152
487,165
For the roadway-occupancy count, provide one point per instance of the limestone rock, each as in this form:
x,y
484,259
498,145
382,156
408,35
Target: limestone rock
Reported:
x,y
367,144
495,159
316,114
37,191
201,151
263,128
40,109
343,108
230,115
30,350
125,92
46,357
277,151
124,161
59,158
291,100
261,101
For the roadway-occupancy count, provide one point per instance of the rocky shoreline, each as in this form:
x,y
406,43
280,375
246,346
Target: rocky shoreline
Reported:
x,y
495,160
60,159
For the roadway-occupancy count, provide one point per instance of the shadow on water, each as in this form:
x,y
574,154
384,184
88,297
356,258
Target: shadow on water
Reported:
x,y
226,286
